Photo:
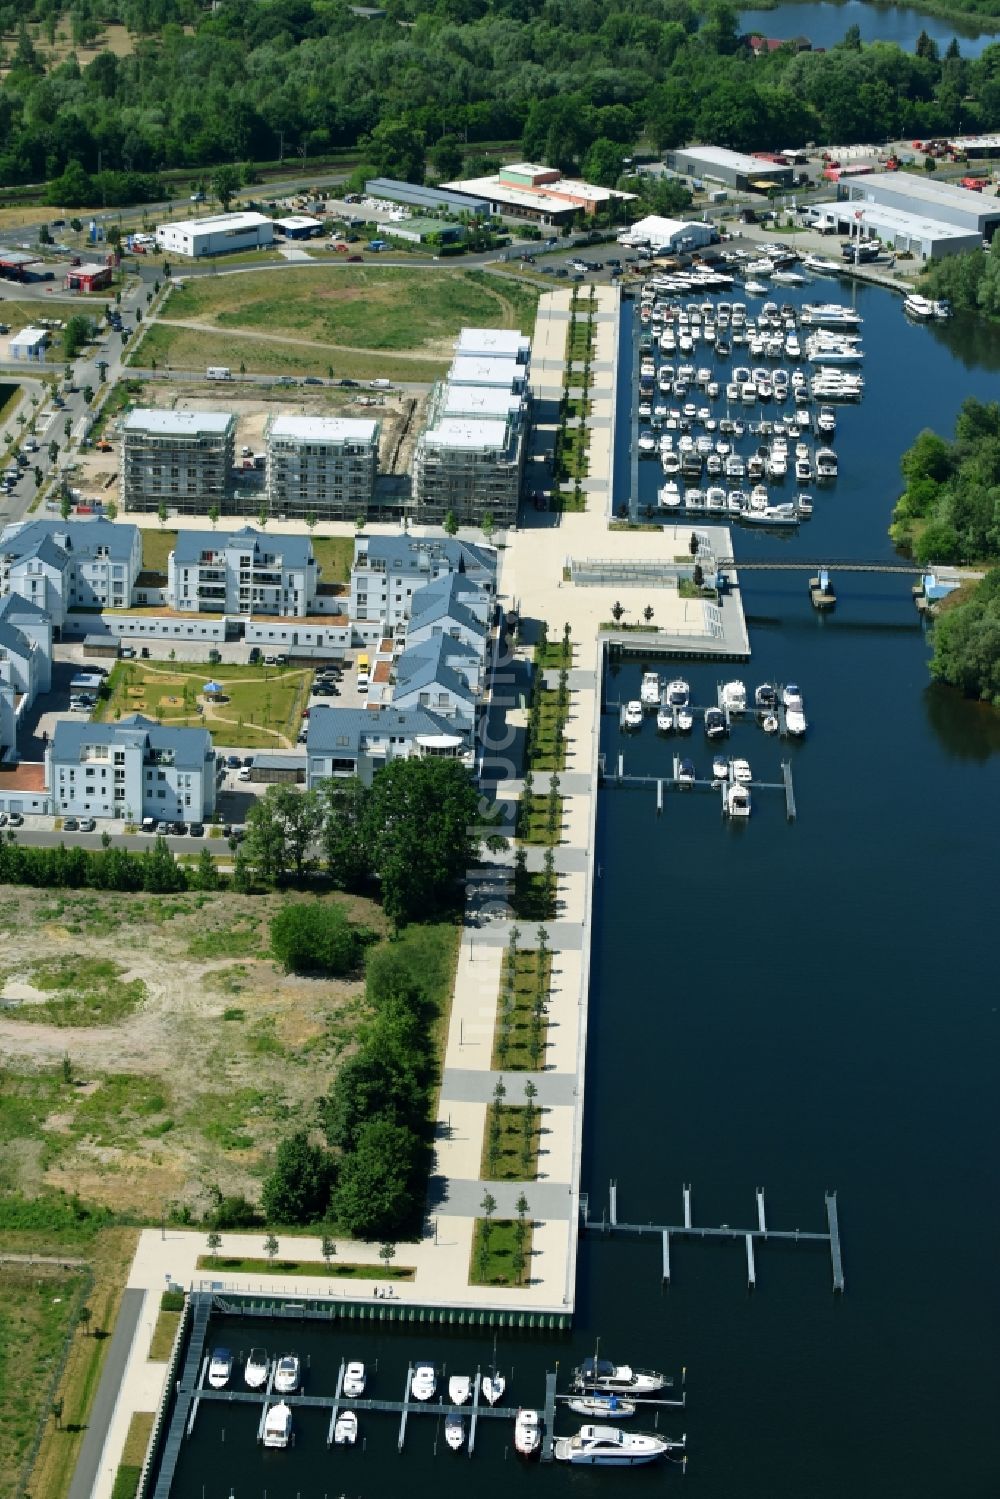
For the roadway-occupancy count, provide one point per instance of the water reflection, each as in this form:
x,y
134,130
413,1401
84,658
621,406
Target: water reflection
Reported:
x,y
972,341
966,729
825,23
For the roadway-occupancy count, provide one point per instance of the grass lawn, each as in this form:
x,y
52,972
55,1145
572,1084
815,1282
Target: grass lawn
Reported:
x,y
164,1333
165,347
156,548
260,707
534,897
360,307
568,502
334,555
119,398
533,824
140,1430
555,654
547,753
521,1046
511,1162
687,588
37,1310
335,1270
494,1253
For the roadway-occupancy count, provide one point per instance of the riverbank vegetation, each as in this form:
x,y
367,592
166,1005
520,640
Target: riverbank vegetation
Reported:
x,y
970,282
427,88
950,509
967,641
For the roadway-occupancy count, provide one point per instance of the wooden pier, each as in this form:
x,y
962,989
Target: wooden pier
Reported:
x,y
750,1236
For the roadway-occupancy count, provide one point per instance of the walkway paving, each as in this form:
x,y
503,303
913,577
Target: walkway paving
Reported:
x,y
93,1475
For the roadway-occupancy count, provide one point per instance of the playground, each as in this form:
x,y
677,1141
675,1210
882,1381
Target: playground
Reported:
x,y
256,707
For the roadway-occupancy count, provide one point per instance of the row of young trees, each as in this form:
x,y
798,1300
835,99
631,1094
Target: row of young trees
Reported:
x,y
155,870
578,84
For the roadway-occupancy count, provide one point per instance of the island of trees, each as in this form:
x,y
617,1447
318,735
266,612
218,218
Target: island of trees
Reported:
x,y
950,512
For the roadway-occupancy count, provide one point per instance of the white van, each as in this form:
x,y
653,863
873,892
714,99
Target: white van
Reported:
x,y
361,683
218,372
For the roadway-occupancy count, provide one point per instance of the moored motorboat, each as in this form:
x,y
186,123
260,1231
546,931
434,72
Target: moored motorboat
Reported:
x,y
720,768
916,306
740,771
715,723
454,1431
494,1383
423,1386
611,1407
734,696
651,689
665,720
258,1367
287,1374
354,1380
459,1388
610,1447
765,696
527,1432
686,776
220,1368
277,1426
345,1431
738,799
633,714
684,719
677,693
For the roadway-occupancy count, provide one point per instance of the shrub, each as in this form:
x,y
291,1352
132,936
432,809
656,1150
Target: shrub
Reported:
x,y
315,937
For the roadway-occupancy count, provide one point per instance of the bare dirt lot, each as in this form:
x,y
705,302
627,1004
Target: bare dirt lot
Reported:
x,y
195,1055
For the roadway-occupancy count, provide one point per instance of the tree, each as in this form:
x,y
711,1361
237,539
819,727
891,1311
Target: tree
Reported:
x,y
693,544
345,832
967,642
57,1412
297,1190
53,451
698,575
450,523
486,524
225,185
424,824
161,513
446,158
315,937
327,1248
617,610
78,332
387,1253
271,1247
85,1315
397,150
65,505
374,1197
206,872
647,614
214,1242
263,516
603,162
213,515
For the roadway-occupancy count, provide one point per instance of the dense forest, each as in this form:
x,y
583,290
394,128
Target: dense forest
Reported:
x,y
577,83
967,642
950,509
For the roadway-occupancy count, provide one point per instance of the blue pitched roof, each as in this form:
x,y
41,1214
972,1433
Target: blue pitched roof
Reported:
x,y
190,746
295,551
80,537
425,666
16,609
342,731
12,640
446,596
419,553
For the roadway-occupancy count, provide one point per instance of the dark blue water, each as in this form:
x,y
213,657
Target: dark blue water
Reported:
x,y
825,21
794,1007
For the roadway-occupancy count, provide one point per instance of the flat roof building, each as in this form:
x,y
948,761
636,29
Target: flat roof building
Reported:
x,y
182,459
323,466
390,190
493,343
732,168
926,198
418,231
298,226
503,374
525,190
30,343
482,403
920,234
219,234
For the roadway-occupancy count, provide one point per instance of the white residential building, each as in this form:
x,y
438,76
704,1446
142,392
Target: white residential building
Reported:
x,y
389,570
242,572
359,741
323,466
181,459
25,666
468,469
63,566
504,374
494,343
132,769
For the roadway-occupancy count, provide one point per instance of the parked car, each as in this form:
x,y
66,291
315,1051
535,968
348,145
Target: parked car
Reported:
x,y
127,653
243,774
70,825
148,825
87,825
197,830
15,820
312,380
233,762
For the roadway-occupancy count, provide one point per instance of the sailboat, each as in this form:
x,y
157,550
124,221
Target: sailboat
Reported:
x,y
494,1383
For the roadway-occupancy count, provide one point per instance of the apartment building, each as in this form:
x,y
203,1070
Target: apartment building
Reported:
x,y
389,570
242,572
359,741
468,469
181,459
62,566
25,666
131,769
323,466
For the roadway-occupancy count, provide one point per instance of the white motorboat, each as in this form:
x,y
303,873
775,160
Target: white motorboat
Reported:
x,y
633,714
916,306
258,1367
829,315
686,776
826,463
423,1385
665,721
354,1380
677,693
795,722
943,309
740,771
459,1388
803,470
755,288
670,493
454,1431
651,689
527,1432
611,1407
762,267
715,723
345,1431
791,695
610,1447
287,1374
220,1368
734,696
278,1426
494,1385
820,266
685,720
720,768
765,696
826,421
788,278
769,723
647,444
738,800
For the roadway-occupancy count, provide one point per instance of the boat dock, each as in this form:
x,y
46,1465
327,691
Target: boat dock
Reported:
x,y
673,782
751,1237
